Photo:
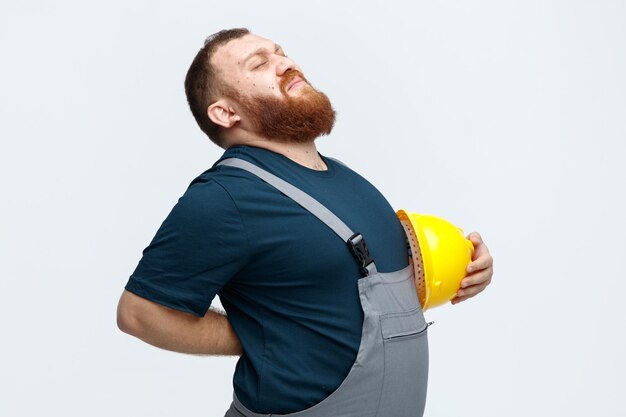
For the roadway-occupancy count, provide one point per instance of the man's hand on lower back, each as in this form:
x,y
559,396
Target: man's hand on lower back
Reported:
x,y
175,330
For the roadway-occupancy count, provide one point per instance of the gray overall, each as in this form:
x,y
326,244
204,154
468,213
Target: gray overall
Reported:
x,y
390,373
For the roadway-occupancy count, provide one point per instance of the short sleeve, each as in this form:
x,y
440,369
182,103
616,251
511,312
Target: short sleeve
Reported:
x,y
197,249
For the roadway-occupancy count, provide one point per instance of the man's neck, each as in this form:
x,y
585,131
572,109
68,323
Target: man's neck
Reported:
x,y
302,153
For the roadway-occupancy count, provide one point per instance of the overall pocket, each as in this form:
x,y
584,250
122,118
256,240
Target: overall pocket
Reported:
x,y
397,294
403,324
405,343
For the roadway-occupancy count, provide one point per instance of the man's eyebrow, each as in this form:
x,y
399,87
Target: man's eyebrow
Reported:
x,y
260,51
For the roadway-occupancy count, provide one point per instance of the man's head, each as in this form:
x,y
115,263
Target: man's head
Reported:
x,y
242,85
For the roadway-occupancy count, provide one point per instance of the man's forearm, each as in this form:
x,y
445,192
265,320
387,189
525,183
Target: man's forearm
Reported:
x,y
182,332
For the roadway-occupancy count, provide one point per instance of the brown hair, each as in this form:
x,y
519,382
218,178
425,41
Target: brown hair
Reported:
x,y
203,84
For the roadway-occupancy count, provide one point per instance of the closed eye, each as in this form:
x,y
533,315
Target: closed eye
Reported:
x,y
260,65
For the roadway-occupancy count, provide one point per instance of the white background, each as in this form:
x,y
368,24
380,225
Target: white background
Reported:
x,y
505,117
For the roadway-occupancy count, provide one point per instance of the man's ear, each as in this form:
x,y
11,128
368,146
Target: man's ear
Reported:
x,y
222,114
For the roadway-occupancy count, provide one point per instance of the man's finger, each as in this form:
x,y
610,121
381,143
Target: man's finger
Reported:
x,y
471,291
474,237
477,278
457,300
482,262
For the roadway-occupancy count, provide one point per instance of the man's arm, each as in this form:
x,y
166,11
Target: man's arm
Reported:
x,y
175,330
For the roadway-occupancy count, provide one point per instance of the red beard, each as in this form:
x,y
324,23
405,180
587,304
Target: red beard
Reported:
x,y
298,119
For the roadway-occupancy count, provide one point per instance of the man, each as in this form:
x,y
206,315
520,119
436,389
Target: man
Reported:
x,y
324,324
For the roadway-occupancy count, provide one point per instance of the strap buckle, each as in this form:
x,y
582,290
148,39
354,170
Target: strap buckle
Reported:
x,y
358,247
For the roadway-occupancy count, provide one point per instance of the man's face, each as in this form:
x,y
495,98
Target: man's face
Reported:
x,y
255,66
274,98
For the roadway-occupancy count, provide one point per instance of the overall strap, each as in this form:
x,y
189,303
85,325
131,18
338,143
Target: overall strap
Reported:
x,y
355,241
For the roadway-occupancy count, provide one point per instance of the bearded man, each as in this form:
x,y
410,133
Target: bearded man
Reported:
x,y
324,324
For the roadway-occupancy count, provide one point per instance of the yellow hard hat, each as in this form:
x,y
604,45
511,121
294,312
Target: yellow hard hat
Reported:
x,y
440,254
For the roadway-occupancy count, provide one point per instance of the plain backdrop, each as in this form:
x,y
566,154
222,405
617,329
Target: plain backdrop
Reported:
x,y
504,117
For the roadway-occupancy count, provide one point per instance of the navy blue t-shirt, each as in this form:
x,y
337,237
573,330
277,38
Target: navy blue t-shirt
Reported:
x,y
287,282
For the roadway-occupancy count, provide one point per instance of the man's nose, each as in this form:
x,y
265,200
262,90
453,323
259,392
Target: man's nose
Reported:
x,y
285,64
